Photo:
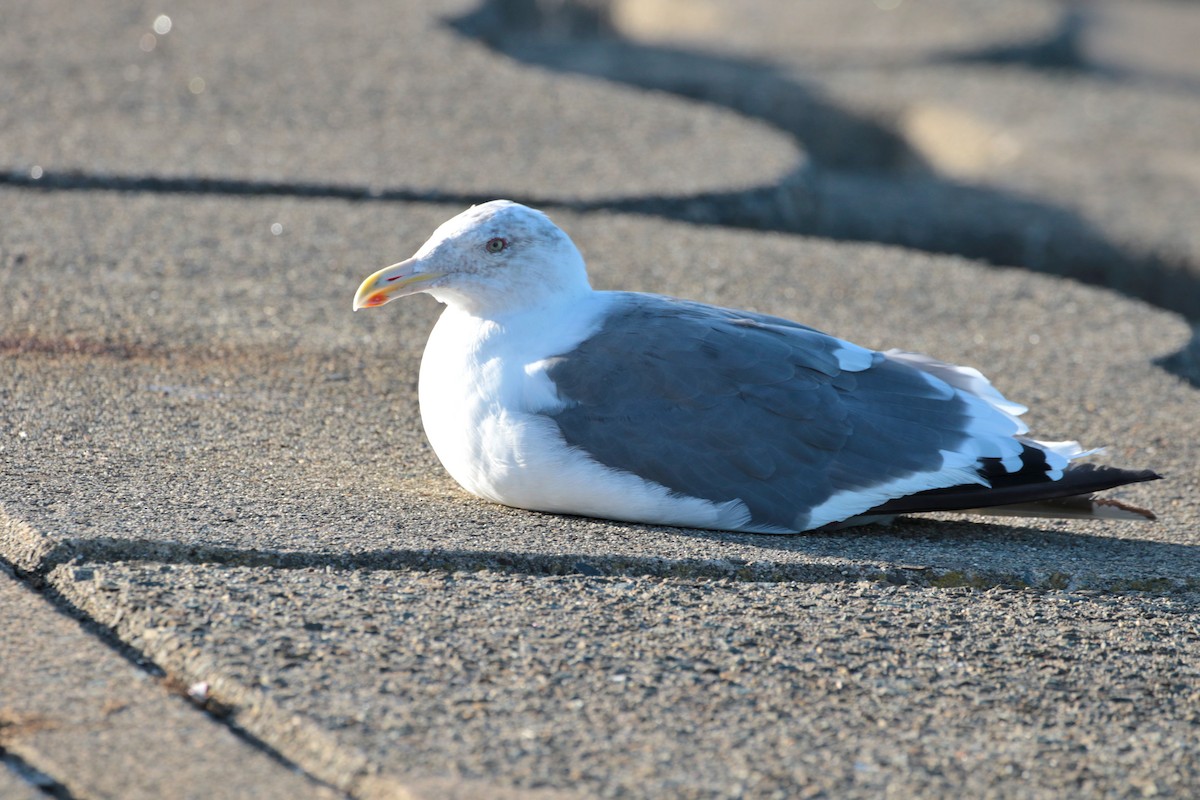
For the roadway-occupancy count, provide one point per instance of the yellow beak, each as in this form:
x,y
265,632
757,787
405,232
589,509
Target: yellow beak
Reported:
x,y
391,282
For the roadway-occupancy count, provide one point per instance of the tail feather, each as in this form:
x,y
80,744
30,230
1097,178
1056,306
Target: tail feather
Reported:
x,y
1067,497
1041,480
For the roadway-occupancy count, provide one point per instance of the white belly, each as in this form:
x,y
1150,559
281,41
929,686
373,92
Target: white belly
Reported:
x,y
484,401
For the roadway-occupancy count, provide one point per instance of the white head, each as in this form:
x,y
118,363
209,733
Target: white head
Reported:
x,y
491,259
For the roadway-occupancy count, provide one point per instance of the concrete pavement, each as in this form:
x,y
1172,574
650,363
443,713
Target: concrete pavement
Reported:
x,y
380,96
1059,137
219,471
89,719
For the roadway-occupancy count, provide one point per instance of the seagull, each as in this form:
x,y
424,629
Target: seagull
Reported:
x,y
538,392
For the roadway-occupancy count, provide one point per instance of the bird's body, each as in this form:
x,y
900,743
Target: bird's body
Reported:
x,y
538,392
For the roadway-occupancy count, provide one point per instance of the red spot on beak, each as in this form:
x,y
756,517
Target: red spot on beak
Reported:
x,y
377,299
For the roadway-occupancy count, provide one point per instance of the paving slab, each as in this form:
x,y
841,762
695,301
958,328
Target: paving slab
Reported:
x,y
175,395
378,96
1063,137
616,687
73,709
205,453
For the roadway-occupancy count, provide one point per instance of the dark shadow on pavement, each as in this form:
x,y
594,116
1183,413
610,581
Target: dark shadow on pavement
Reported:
x,y
909,552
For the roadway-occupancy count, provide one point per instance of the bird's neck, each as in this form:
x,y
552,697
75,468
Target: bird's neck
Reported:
x,y
556,325
505,304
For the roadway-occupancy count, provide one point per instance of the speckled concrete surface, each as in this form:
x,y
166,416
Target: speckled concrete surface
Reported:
x,y
76,711
207,457
380,95
692,688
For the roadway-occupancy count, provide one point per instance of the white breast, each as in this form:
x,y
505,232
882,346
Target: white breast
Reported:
x,y
484,393
481,386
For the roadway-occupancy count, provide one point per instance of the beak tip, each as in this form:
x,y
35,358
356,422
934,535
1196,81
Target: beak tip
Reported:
x,y
391,283
372,300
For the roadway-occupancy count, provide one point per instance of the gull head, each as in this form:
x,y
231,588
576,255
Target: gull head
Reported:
x,y
494,258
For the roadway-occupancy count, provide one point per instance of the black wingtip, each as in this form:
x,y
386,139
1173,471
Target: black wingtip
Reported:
x,y
1078,480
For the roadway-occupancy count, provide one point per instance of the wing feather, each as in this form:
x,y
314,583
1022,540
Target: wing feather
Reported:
x,y
726,405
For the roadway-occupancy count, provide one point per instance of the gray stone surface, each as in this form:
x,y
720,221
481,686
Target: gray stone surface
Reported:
x,y
692,688
1063,137
379,95
73,709
204,451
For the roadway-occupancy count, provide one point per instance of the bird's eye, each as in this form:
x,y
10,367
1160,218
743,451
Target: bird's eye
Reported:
x,y
495,245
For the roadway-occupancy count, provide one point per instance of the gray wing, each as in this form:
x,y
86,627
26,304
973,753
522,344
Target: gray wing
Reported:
x,y
727,405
